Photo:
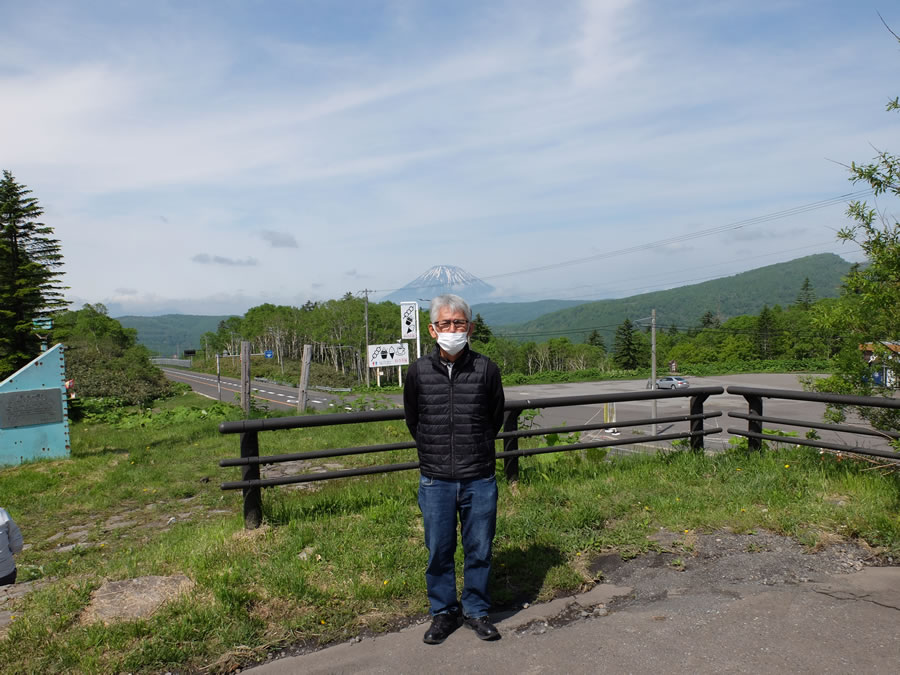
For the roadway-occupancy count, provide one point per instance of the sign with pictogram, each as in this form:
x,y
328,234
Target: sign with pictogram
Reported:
x,y
269,354
409,320
388,355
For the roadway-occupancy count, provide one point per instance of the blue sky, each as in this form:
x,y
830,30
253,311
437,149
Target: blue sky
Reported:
x,y
205,157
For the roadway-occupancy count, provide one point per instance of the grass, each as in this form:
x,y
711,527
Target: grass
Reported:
x,y
347,556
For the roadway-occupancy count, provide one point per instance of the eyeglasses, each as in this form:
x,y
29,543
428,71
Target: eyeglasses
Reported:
x,y
446,324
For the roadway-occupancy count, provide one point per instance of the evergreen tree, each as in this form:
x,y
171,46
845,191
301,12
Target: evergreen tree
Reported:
x,y
709,320
596,340
626,348
30,261
480,330
765,333
807,296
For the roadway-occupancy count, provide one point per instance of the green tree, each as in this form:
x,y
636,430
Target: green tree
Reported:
x,y
626,346
765,333
480,330
30,262
868,311
105,359
807,296
709,320
596,340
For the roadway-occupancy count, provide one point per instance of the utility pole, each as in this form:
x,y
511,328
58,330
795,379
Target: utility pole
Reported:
x,y
653,361
366,291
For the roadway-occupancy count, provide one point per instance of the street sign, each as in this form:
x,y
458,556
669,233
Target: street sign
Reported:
x,y
388,355
409,320
269,354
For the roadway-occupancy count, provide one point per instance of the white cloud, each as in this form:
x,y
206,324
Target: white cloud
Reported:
x,y
499,138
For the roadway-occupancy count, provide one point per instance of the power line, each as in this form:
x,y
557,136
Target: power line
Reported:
x,y
680,282
696,235
756,220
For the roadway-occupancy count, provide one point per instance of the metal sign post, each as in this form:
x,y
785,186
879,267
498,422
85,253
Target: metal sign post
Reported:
x,y
409,324
381,356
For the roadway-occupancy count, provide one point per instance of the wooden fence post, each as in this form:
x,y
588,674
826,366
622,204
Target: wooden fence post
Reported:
x,y
245,378
304,380
252,495
511,464
697,424
755,407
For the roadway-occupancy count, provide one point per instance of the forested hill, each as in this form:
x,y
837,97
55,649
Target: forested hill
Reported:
x,y
171,333
504,313
744,293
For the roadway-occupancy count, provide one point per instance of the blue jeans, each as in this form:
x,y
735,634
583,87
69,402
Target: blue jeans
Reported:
x,y
475,501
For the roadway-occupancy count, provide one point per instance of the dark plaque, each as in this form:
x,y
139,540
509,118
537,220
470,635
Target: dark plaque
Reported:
x,y
28,408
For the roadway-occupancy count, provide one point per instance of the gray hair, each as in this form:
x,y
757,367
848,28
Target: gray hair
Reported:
x,y
452,302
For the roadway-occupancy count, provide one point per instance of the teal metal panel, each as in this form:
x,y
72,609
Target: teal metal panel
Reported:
x,y
31,425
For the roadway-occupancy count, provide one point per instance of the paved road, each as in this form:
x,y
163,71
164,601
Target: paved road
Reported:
x,y
674,406
278,396
267,393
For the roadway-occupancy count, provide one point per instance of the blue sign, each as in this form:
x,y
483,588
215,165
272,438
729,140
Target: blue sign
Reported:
x,y
269,353
34,422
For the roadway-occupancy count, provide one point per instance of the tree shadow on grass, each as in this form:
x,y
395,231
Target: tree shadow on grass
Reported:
x,y
518,576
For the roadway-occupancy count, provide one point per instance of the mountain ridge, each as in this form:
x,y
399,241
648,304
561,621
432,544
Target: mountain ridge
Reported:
x,y
743,293
735,295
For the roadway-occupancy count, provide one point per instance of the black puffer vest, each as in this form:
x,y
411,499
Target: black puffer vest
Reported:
x,y
457,415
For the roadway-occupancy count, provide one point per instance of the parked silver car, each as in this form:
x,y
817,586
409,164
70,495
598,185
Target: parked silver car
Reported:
x,y
672,382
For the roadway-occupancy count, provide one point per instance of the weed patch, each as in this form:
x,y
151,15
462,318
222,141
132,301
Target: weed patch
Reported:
x,y
143,499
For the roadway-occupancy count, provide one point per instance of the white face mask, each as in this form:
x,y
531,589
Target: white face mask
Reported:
x,y
452,343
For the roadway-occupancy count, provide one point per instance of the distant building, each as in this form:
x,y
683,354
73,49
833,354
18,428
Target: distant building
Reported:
x,y
887,366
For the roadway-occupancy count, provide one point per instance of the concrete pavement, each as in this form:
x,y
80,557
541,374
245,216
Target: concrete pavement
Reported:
x,y
834,624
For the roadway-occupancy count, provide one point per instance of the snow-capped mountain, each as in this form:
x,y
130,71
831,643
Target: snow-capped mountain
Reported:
x,y
444,279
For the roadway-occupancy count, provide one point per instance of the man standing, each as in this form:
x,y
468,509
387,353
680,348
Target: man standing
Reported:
x,y
453,400
10,544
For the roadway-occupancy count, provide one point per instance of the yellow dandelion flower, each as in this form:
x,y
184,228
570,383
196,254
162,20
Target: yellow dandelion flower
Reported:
x,y
322,621
787,466
385,582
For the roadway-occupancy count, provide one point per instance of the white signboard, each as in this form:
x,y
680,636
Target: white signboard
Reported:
x,y
396,354
409,320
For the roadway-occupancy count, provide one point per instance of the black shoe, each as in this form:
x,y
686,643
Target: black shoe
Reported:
x,y
483,627
441,627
